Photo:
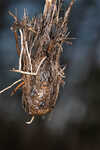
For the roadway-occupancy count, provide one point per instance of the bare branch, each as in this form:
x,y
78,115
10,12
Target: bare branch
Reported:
x,y
68,10
30,73
11,14
20,58
29,122
28,55
10,86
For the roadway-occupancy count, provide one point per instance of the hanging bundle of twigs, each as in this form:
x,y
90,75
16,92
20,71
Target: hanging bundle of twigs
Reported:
x,y
39,53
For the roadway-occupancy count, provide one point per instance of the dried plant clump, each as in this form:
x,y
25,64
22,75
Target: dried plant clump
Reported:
x,y
39,53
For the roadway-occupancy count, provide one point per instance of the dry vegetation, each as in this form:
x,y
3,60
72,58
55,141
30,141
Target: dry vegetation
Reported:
x,y
39,49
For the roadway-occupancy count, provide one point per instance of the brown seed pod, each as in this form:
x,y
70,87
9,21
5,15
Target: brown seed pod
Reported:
x,y
39,54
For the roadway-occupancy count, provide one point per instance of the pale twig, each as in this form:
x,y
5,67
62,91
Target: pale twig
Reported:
x,y
11,14
24,72
46,7
31,29
51,11
10,86
54,10
59,8
25,13
61,72
29,122
67,34
30,73
20,58
68,10
33,43
28,55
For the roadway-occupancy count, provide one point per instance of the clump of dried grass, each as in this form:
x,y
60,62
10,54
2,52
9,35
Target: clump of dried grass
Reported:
x,y
48,29
39,50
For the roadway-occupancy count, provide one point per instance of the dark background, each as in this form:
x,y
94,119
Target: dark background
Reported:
x,y
75,122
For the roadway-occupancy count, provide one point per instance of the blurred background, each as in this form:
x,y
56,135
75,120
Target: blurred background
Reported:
x,y
74,124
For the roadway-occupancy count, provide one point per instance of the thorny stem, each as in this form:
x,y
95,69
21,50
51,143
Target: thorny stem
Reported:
x,y
10,86
31,73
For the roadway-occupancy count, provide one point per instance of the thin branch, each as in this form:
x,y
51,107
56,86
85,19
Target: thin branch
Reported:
x,y
17,46
10,86
15,90
28,55
68,10
11,14
29,122
59,8
31,29
46,7
30,73
61,72
20,58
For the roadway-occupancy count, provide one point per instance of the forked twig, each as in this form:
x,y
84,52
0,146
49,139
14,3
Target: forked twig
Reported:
x,y
10,86
30,73
11,14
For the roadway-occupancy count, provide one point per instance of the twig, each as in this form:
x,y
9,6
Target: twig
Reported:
x,y
29,122
58,11
23,72
20,58
17,46
28,55
10,86
15,90
11,14
46,7
68,10
30,73
61,72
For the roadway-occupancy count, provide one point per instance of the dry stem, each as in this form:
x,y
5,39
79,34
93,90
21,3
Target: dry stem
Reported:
x,y
46,7
10,86
11,14
29,122
29,57
68,11
30,73
22,48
